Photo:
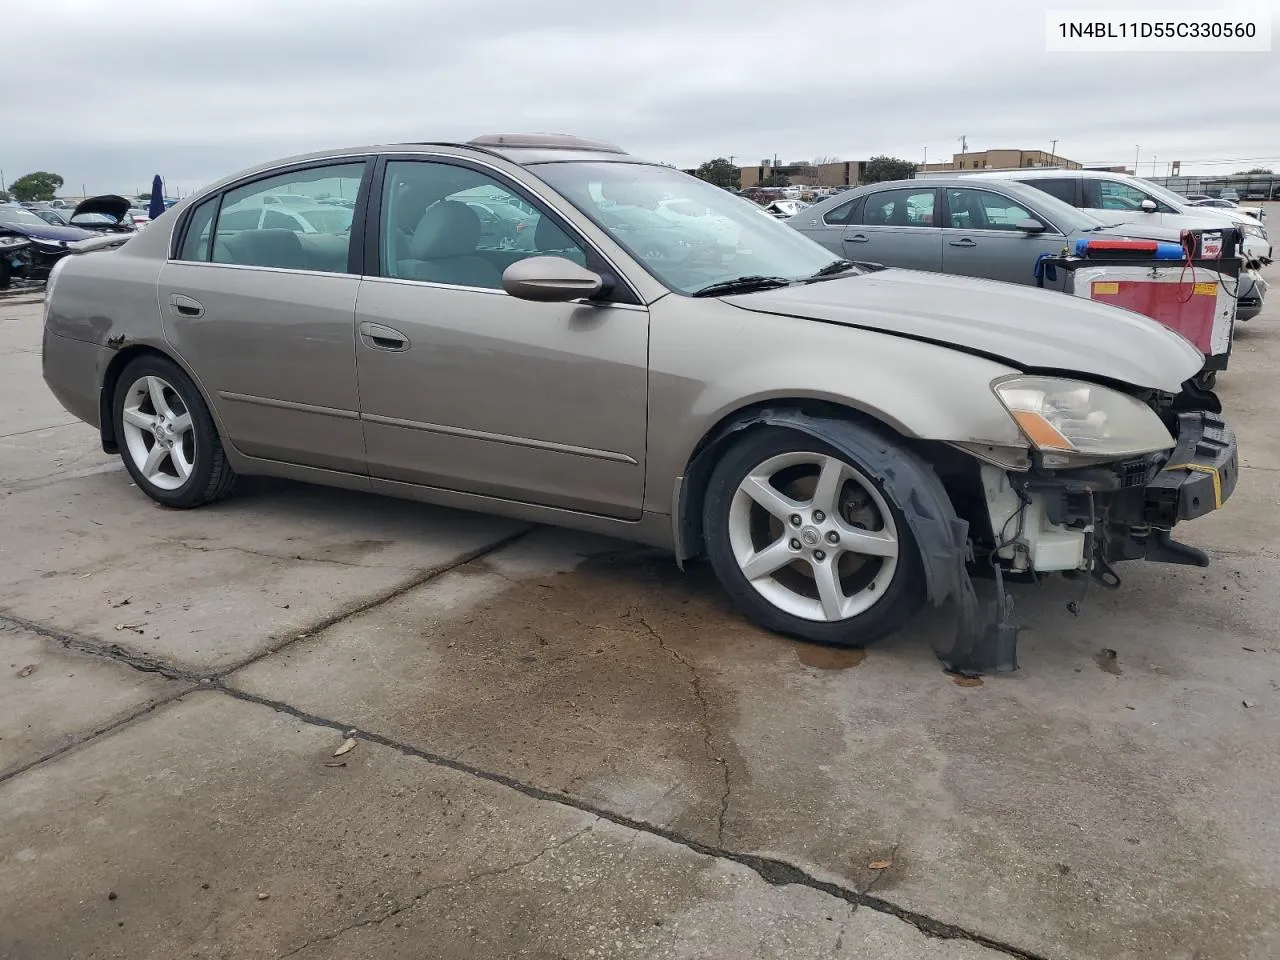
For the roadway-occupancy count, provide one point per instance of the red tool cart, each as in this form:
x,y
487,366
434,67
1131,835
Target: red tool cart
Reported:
x,y
1188,287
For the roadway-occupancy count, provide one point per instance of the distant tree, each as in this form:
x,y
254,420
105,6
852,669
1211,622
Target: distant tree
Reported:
x,y
40,185
776,179
881,168
820,161
1265,171
720,172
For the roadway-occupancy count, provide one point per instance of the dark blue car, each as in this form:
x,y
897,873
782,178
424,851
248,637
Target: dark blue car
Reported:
x,y
48,241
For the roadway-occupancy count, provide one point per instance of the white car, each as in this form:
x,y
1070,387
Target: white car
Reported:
x,y
1115,198
1219,203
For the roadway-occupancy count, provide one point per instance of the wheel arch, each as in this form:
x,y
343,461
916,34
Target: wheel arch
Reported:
x,y
111,378
941,535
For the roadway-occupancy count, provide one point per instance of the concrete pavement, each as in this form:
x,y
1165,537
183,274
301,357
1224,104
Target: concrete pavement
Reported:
x,y
567,748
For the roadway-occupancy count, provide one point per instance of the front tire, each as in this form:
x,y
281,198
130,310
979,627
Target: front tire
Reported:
x,y
807,543
167,437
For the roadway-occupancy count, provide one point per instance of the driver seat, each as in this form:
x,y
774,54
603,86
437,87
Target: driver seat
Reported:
x,y
442,249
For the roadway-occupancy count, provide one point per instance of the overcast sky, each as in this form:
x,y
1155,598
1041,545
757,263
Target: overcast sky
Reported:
x,y
108,92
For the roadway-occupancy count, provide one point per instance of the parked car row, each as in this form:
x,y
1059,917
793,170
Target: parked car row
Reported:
x,y
48,230
996,227
658,361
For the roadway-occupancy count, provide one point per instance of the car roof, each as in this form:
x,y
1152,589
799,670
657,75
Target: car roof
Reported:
x,y
1038,173
520,149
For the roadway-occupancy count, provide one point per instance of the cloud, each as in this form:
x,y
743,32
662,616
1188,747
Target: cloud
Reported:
x,y
119,91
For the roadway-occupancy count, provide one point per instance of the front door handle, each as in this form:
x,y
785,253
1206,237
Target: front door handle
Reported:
x,y
378,337
963,242
857,238
184,306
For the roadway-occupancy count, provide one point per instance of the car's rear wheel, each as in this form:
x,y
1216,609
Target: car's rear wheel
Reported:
x,y
807,543
167,437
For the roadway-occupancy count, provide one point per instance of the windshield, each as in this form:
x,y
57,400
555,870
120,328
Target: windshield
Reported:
x,y
19,216
688,233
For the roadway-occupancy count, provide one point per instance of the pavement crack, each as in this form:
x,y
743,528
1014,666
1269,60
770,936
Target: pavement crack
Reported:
x,y
708,731
115,652
770,869
436,888
200,548
118,723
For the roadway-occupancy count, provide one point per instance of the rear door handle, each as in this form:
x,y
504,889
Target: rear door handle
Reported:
x,y
378,337
184,306
857,238
963,242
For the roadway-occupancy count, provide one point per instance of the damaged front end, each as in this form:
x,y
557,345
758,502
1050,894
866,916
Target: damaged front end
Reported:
x,y
1058,515
15,258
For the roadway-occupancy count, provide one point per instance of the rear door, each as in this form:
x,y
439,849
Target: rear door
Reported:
x,y
265,317
981,237
899,228
828,228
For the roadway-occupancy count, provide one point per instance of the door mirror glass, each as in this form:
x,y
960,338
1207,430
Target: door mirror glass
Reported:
x,y
1030,225
550,280
1148,206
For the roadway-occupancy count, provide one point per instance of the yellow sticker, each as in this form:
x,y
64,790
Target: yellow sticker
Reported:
x,y
1105,287
1210,288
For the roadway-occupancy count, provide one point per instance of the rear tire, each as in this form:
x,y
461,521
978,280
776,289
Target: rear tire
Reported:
x,y
846,574
167,436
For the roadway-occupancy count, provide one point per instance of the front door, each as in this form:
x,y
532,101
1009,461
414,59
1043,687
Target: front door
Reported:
x,y
262,309
467,388
898,228
981,237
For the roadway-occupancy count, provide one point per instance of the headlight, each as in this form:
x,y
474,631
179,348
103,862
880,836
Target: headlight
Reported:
x,y
1071,422
53,244
1253,230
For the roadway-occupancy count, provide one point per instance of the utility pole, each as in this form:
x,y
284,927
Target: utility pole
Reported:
x,y
1053,150
1136,148
1153,166
925,162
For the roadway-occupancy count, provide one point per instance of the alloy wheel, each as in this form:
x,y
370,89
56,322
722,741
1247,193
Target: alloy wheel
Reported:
x,y
158,433
813,536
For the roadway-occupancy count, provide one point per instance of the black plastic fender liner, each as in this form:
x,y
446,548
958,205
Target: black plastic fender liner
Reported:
x,y
940,534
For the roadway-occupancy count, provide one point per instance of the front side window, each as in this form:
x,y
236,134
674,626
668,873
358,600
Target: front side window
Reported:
x,y
900,208
1114,195
288,220
689,234
983,210
447,223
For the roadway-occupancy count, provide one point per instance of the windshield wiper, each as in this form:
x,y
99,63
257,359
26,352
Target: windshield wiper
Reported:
x,y
741,285
832,269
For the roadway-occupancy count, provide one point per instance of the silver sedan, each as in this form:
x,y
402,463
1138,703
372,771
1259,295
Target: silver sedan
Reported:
x,y
839,441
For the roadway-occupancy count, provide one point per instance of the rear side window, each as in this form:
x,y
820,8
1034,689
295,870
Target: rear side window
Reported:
x,y
195,242
1064,188
300,220
842,214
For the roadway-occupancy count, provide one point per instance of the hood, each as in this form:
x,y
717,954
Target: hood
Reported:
x,y
109,204
1026,327
47,231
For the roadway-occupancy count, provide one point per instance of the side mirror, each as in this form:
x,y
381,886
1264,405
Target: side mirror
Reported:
x,y
1030,226
1148,206
550,280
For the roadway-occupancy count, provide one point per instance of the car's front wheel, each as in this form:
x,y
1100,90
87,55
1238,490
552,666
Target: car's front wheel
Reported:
x,y
807,543
167,437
